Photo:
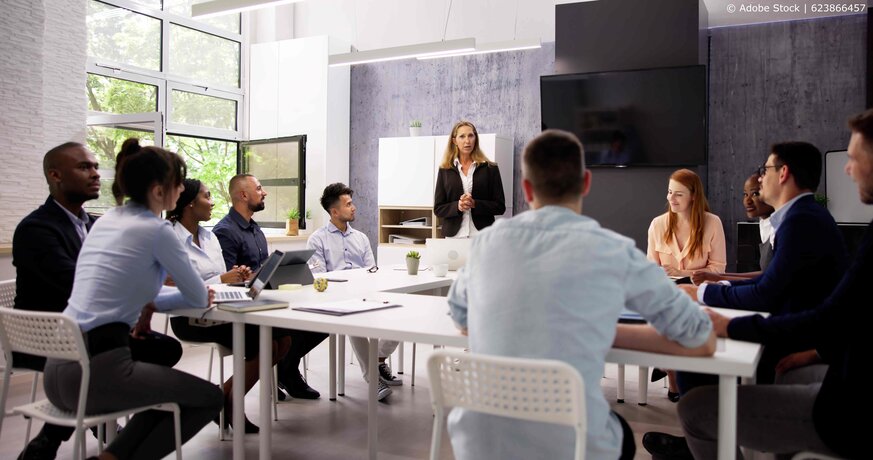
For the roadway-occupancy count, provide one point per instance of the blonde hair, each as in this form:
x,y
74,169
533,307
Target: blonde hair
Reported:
x,y
452,151
699,208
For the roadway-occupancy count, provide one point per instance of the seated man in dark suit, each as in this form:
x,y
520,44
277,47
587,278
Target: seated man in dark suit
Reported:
x,y
804,411
45,247
809,259
244,243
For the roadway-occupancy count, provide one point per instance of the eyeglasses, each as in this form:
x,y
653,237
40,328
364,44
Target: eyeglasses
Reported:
x,y
373,269
762,170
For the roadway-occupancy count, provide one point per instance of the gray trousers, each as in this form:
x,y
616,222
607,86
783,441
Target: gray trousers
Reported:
x,y
770,418
118,383
361,346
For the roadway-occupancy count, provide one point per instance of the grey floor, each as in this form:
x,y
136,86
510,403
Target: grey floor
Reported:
x,y
324,429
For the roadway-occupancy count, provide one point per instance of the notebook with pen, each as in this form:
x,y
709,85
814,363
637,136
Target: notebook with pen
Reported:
x,y
348,307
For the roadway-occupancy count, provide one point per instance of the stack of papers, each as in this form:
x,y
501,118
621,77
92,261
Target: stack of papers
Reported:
x,y
405,239
348,307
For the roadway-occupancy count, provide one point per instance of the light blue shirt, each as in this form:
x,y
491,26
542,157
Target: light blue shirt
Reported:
x,y
551,284
122,267
336,250
206,258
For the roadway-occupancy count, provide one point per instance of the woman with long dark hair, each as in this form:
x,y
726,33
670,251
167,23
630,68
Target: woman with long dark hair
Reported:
x,y
122,266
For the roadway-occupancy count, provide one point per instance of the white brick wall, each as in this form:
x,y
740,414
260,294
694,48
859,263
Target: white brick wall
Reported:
x,y
42,96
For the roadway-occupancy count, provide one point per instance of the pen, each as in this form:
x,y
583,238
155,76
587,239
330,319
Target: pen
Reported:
x,y
371,300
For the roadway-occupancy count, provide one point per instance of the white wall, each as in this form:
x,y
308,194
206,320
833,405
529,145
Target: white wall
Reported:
x,y
42,93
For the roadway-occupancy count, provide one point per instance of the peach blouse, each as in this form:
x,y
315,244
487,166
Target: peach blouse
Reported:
x,y
712,258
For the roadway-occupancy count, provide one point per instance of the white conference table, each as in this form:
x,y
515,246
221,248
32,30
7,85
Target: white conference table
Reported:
x,y
424,319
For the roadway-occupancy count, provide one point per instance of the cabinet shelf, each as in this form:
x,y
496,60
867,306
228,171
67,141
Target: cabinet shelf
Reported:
x,y
410,227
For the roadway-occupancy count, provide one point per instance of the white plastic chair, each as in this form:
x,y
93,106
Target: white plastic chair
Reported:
x,y
54,335
537,390
813,456
7,300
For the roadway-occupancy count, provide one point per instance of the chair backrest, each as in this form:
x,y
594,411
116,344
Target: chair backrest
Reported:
x,y
51,335
7,293
529,389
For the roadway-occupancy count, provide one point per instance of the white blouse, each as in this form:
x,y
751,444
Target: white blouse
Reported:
x,y
206,258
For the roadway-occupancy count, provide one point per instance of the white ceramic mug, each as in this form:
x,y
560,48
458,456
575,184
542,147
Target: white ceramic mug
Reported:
x,y
440,269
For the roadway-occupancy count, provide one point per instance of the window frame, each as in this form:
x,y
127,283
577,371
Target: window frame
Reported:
x,y
301,179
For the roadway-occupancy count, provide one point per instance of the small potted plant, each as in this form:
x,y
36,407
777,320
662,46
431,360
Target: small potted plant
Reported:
x,y
292,225
412,260
415,128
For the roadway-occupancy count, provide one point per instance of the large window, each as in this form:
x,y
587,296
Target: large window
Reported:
x,y
173,81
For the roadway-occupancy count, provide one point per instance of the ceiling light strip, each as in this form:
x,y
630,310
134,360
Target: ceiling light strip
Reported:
x,y
404,52
221,7
496,47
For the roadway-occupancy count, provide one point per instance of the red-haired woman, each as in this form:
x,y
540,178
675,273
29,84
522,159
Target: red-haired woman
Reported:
x,y
686,239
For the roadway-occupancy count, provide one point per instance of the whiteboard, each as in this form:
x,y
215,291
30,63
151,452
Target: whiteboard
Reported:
x,y
844,202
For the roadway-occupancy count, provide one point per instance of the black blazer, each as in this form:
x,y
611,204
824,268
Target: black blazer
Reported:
x,y
838,329
487,192
45,248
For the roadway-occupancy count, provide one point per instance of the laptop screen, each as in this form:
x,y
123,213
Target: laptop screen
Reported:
x,y
450,251
265,273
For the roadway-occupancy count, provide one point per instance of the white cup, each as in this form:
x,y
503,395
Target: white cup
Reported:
x,y
440,269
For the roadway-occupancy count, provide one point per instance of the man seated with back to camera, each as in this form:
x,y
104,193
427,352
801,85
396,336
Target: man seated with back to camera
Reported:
x,y
558,295
340,247
243,243
45,247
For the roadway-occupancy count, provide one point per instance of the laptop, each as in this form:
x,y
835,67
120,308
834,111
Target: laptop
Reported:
x,y
257,284
450,251
293,269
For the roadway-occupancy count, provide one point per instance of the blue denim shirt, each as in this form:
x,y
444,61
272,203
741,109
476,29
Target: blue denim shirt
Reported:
x,y
550,283
242,243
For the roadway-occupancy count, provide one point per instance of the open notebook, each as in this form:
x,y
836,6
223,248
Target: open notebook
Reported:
x,y
252,303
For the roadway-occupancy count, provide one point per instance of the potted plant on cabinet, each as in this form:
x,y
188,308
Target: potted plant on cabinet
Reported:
x,y
292,225
415,128
412,260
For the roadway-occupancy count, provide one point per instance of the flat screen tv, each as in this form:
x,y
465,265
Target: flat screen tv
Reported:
x,y
652,117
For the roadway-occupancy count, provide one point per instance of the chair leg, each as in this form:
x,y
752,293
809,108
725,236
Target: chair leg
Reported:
x,y
643,386
177,424
341,365
221,415
620,383
275,395
306,367
413,364
33,386
399,366
209,369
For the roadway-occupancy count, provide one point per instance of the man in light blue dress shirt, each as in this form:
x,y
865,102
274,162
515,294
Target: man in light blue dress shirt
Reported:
x,y
340,247
550,283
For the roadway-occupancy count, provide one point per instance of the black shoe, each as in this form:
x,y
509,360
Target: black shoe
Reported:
x,y
673,397
298,388
250,428
663,446
658,374
40,448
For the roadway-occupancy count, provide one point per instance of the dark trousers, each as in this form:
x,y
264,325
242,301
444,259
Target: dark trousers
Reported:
x,y
118,382
628,446
302,342
154,348
765,374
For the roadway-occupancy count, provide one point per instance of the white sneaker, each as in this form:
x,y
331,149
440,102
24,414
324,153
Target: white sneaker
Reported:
x,y
382,391
387,377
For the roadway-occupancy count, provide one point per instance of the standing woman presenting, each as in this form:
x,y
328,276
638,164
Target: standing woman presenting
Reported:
x,y
469,192
684,240
122,266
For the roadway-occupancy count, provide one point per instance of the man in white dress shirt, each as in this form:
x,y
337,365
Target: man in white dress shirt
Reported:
x,y
340,247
